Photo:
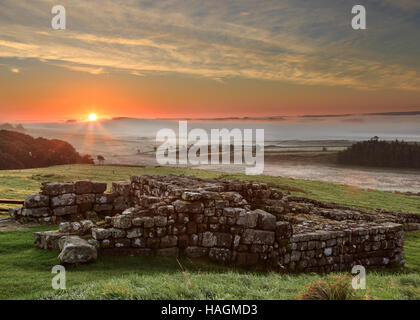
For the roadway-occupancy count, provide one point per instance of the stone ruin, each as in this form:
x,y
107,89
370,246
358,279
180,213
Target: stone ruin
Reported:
x,y
73,201
232,222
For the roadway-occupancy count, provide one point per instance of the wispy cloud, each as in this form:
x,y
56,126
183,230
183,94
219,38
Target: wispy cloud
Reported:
x,y
292,41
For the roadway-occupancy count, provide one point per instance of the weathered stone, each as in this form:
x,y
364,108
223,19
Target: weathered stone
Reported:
x,y
99,187
165,210
283,230
67,199
118,233
122,243
86,225
106,198
189,207
47,240
196,252
134,233
65,227
138,242
251,236
223,240
123,188
85,198
168,241
83,186
220,255
209,239
121,222
160,221
76,250
55,189
36,212
247,219
191,196
37,201
63,211
101,234
266,221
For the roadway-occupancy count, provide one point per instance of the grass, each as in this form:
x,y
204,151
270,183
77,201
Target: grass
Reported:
x,y
25,272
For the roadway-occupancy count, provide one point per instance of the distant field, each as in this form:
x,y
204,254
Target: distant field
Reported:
x,y
25,272
17,184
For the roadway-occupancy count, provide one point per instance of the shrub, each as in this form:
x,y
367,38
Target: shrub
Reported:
x,y
332,288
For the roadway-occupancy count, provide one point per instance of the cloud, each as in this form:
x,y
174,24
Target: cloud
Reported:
x,y
292,41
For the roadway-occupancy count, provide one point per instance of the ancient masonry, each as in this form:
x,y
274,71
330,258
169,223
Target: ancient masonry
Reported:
x,y
232,222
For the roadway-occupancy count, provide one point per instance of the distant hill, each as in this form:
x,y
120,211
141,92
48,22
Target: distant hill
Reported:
x,y
21,151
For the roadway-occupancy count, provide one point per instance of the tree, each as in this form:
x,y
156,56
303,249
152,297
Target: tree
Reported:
x,y
101,159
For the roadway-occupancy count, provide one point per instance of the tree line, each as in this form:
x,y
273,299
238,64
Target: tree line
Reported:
x,y
378,153
21,151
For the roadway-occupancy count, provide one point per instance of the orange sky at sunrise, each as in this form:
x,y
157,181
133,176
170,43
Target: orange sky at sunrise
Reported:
x,y
210,59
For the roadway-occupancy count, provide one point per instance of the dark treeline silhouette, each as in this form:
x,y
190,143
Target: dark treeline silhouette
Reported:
x,y
20,151
396,154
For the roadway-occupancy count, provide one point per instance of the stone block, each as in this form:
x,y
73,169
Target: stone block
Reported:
x,y
121,222
101,234
64,211
220,255
99,187
37,201
56,188
134,233
266,221
76,250
251,236
83,186
196,252
68,199
247,219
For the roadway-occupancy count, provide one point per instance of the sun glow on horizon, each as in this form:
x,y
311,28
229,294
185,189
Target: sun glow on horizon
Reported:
x,y
92,117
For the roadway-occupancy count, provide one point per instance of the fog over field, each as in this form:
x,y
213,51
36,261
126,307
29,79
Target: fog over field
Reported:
x,y
132,141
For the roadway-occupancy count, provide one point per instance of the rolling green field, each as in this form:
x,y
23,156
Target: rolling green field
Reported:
x,y
25,272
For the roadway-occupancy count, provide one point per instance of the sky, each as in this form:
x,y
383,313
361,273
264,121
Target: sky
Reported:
x,y
173,58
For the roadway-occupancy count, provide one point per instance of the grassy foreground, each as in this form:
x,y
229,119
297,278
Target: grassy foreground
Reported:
x,y
25,272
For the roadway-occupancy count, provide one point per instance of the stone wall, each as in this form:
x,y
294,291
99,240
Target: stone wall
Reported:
x,y
220,220
73,201
231,222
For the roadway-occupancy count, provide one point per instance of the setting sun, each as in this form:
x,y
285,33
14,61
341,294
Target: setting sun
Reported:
x,y
93,117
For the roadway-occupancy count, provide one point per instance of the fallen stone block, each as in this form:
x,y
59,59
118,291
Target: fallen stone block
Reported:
x,y
76,250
